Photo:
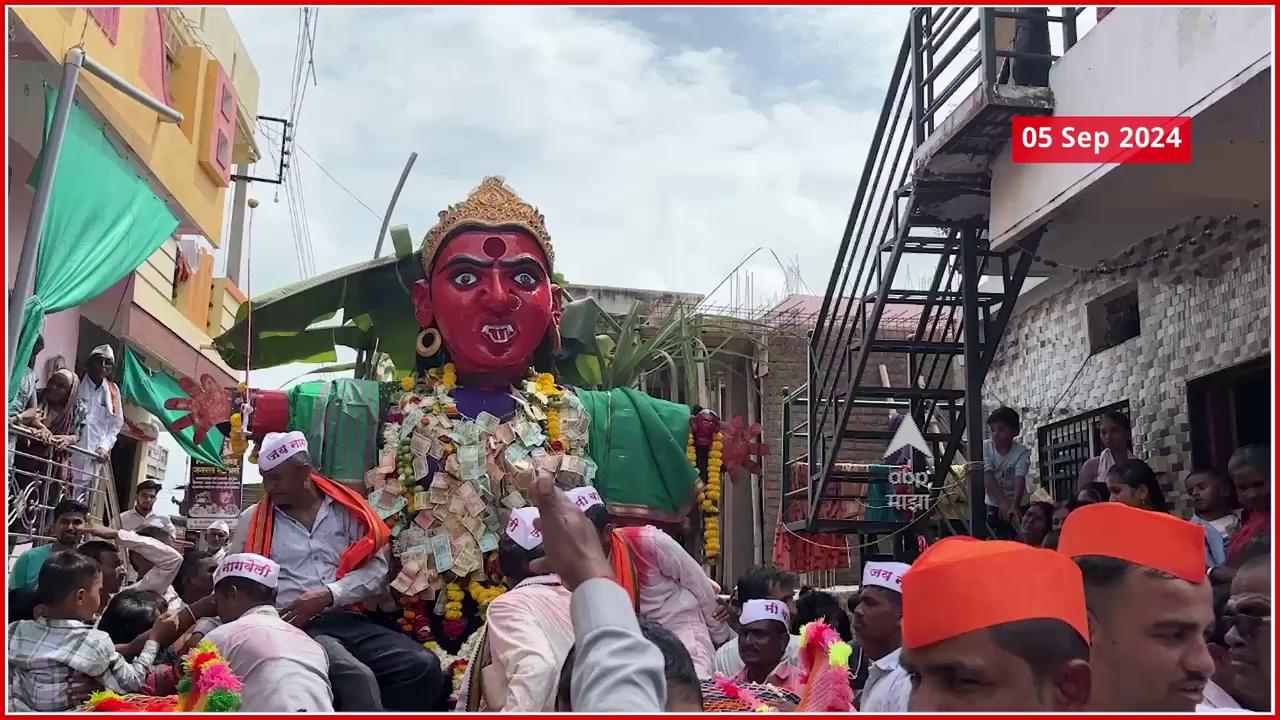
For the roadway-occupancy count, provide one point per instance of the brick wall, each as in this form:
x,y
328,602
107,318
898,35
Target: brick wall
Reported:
x,y
787,352
1203,308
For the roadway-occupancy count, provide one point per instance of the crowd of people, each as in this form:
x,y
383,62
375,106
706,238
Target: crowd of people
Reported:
x,y
86,412
1107,602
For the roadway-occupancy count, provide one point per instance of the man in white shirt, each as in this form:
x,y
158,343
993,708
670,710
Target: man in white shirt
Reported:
x,y
877,620
104,417
281,669
529,628
332,551
144,504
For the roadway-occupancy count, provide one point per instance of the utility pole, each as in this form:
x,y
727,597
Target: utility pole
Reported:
x,y
235,238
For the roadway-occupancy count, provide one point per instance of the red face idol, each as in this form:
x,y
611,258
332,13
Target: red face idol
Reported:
x,y
491,298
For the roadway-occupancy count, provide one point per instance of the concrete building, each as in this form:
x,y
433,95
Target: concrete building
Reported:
x,y
193,60
1179,337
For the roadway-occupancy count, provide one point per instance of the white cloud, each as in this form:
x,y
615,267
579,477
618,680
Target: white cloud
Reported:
x,y
656,166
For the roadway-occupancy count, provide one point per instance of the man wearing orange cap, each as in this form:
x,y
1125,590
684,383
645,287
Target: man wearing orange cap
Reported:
x,y
1150,606
994,626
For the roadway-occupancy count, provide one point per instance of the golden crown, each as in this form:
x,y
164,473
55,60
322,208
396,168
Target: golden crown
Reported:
x,y
491,205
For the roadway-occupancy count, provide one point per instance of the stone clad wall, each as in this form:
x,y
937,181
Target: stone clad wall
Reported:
x,y
1204,308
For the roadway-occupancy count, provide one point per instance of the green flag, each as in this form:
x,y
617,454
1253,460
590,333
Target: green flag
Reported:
x,y
103,222
149,389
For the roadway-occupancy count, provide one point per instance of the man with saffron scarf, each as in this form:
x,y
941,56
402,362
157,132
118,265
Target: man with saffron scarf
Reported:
x,y
666,585
331,549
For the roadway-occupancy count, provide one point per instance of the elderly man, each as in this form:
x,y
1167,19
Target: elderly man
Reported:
x,y
1150,606
143,510
104,417
331,548
877,620
215,539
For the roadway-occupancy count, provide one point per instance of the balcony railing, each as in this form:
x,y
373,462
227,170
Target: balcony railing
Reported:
x,y
36,484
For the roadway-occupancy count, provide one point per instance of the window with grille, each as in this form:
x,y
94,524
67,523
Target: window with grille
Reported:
x,y
1064,446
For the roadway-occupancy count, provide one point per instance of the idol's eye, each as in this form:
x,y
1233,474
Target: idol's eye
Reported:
x,y
465,279
525,279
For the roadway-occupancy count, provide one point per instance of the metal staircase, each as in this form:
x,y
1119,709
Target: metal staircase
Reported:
x,y
921,210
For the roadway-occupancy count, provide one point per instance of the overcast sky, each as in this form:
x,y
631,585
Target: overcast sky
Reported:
x,y
663,145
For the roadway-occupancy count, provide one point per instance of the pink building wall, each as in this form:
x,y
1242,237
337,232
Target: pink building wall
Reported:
x,y
61,330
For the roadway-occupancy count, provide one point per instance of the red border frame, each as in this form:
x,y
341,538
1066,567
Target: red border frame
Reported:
x,y
1275,267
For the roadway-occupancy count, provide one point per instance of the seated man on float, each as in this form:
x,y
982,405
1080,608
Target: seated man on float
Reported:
x,y
529,628
331,549
666,584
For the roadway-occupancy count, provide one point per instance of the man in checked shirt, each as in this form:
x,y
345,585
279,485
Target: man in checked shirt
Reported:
x,y
44,654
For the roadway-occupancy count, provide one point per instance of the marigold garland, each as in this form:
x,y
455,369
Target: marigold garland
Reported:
x,y
711,498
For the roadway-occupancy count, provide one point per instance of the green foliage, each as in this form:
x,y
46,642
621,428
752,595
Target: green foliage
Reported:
x,y
600,354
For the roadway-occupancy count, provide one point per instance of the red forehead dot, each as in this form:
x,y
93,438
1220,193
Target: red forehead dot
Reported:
x,y
495,247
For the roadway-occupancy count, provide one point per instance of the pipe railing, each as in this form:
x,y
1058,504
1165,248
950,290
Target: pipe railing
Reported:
x,y
36,488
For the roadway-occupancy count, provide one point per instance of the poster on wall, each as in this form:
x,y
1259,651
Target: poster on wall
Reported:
x,y
214,492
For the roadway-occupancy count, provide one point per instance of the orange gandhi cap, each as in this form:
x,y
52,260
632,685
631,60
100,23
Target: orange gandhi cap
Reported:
x,y
961,584
1142,537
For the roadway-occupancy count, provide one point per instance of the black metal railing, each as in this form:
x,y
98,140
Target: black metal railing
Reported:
x,y
1064,446
946,55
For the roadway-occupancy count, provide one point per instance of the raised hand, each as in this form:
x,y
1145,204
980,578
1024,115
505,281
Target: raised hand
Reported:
x,y
207,405
572,543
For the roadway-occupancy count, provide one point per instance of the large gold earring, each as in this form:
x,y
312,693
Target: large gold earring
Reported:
x,y
427,350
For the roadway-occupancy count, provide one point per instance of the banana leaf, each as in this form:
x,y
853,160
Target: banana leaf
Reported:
x,y
373,296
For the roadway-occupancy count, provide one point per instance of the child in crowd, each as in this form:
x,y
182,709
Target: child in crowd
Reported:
x,y
1213,497
46,653
1250,469
1006,464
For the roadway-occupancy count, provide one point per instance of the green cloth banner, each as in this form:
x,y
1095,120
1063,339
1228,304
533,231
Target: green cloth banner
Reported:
x,y
638,444
149,389
102,223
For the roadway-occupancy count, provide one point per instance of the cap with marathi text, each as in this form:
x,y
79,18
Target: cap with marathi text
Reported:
x,y
1143,537
887,575
585,497
279,447
257,568
757,610
961,584
521,530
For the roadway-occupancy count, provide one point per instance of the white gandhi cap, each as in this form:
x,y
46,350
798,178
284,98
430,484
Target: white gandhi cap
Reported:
x,y
756,610
257,568
585,497
521,530
884,574
278,447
